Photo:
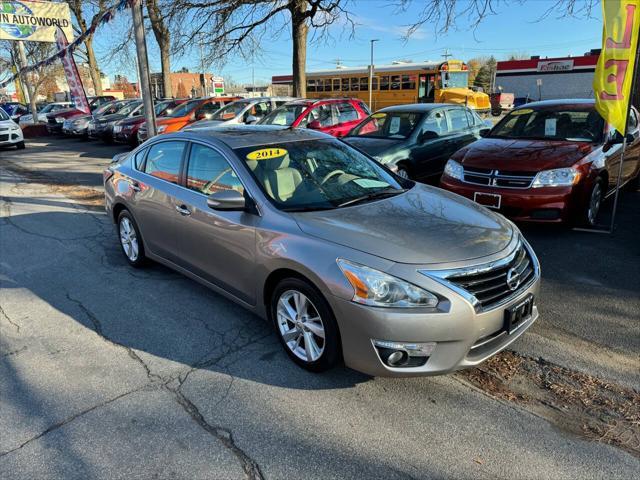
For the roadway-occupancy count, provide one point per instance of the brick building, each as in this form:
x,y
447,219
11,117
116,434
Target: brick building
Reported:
x,y
189,84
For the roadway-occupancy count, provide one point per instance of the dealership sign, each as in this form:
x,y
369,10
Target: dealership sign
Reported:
x,y
33,21
555,66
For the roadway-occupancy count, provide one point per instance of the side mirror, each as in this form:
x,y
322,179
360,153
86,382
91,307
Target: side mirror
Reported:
x,y
484,132
428,135
251,119
315,125
226,200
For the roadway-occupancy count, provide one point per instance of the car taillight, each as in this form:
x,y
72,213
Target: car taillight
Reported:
x,y
107,174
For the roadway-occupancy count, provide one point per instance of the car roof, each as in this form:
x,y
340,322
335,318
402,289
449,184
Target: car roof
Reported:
x,y
240,136
559,102
418,107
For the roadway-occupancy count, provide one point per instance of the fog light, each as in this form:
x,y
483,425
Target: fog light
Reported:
x,y
397,354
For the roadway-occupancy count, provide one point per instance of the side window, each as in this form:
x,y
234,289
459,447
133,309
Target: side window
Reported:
x,y
435,122
355,84
311,85
408,82
346,112
384,83
345,84
336,84
207,110
471,119
364,84
633,121
139,158
395,82
164,160
209,172
260,109
458,119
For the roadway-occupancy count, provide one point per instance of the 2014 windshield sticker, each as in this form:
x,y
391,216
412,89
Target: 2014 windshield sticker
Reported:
x,y
522,111
266,154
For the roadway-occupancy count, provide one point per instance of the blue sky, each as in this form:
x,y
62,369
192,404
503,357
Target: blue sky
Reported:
x,y
516,28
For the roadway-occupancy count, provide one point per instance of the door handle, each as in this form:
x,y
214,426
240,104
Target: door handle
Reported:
x,y
135,186
183,210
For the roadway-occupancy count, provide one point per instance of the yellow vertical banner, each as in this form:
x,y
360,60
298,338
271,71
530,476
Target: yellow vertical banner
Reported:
x,y
616,64
18,84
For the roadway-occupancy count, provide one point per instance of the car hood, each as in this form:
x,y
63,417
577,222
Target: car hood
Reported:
x,y
522,155
425,225
66,113
202,124
132,120
373,146
8,123
110,118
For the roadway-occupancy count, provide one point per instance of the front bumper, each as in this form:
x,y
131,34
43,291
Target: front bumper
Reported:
x,y
540,205
74,131
54,128
463,336
10,137
125,136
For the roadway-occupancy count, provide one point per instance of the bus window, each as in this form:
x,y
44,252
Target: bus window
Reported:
x,y
384,83
336,84
311,85
345,84
355,84
374,83
364,84
408,82
395,82
327,84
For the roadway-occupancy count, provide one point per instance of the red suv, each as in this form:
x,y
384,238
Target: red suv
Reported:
x,y
56,120
335,116
551,161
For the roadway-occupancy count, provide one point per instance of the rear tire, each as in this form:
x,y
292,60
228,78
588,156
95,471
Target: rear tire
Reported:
x,y
305,325
20,145
131,240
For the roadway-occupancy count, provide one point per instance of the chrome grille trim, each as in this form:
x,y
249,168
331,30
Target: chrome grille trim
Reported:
x,y
462,279
493,178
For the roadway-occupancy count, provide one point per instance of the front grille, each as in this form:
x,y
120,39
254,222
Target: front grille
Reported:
x,y
4,138
490,287
52,120
497,178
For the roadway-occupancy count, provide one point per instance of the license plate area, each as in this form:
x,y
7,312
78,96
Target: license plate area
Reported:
x,y
490,200
518,314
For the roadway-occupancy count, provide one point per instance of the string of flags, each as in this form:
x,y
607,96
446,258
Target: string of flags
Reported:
x,y
107,16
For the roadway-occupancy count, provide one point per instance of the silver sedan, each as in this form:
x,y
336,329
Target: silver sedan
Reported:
x,y
347,260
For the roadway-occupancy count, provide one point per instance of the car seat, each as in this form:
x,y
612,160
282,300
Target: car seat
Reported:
x,y
280,180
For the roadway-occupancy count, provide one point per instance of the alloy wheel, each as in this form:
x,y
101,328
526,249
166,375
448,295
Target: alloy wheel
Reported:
x,y
402,173
594,203
129,239
300,326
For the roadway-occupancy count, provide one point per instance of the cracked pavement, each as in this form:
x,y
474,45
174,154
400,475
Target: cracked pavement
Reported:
x,y
109,372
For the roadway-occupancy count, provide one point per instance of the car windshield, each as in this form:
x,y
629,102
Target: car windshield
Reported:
x,y
162,107
392,125
3,115
285,115
128,108
47,108
575,124
230,111
317,175
184,109
100,110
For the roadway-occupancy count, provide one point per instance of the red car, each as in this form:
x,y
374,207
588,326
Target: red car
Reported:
x,y
55,120
551,161
126,130
335,116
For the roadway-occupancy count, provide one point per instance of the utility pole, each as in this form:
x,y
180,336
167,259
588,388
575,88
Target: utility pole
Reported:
x,y
204,80
371,75
446,54
253,82
25,83
143,68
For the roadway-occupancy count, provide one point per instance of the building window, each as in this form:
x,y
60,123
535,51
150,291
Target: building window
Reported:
x,y
384,82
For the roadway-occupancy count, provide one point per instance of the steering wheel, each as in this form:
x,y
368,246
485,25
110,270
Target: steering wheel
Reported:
x,y
330,175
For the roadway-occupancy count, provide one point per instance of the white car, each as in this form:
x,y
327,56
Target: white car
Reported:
x,y
42,114
10,132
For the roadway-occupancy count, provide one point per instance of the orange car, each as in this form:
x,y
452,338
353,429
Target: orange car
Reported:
x,y
188,112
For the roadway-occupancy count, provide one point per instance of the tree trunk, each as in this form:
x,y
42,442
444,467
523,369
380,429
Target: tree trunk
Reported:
x,y
31,90
163,38
165,61
299,32
93,66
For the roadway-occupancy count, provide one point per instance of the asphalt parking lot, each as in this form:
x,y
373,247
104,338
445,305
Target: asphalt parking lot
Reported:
x,y
108,372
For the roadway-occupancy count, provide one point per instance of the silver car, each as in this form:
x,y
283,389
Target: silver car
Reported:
x,y
247,111
347,260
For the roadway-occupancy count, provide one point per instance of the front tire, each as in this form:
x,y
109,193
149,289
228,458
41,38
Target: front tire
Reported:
x,y
594,202
131,240
20,145
305,325
403,172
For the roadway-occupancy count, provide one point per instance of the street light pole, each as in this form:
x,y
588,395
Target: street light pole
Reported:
x,y
371,75
143,68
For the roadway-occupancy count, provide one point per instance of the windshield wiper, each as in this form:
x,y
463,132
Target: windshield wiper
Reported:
x,y
373,195
306,209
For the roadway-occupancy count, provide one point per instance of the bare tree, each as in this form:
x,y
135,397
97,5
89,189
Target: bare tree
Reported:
x,y
446,14
157,13
238,25
79,9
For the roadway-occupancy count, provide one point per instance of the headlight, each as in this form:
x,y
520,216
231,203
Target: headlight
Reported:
x,y
559,177
378,289
454,170
59,120
162,128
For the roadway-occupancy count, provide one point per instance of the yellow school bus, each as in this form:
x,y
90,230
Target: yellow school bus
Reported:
x,y
400,83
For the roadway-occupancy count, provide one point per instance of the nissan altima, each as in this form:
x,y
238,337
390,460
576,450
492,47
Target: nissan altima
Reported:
x,y
348,261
